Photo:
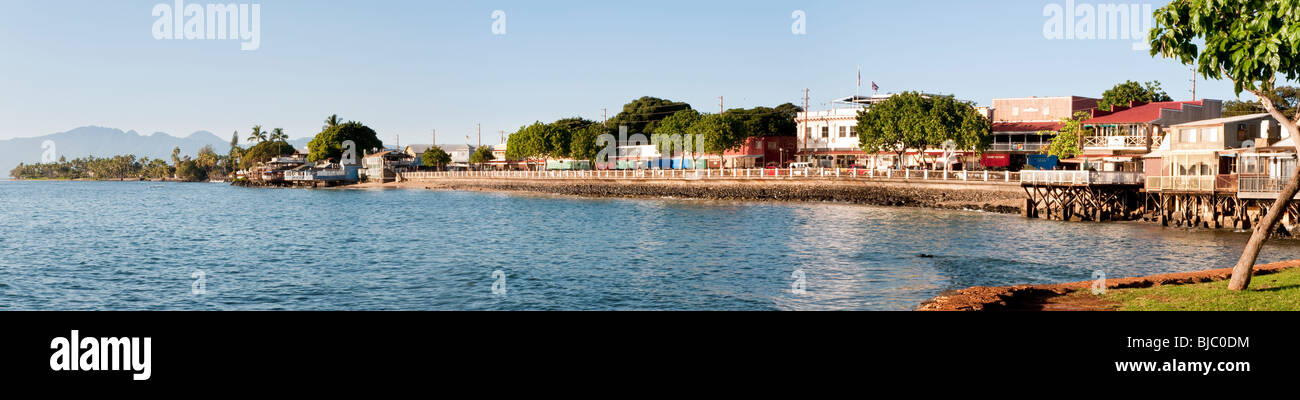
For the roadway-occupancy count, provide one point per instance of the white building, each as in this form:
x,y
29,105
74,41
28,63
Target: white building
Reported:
x,y
828,137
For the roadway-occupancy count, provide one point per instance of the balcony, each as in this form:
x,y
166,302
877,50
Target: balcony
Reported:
x,y
1121,142
1018,146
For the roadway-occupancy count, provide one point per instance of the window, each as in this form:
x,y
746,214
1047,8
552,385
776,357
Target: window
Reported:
x,y
807,131
1210,135
826,131
1187,135
843,132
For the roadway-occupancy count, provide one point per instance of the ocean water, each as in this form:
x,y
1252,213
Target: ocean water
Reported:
x,y
177,246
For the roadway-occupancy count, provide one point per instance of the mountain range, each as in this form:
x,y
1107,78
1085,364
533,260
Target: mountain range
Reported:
x,y
107,142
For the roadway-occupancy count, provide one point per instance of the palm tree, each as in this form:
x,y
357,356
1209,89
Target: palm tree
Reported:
x,y
332,121
258,135
278,135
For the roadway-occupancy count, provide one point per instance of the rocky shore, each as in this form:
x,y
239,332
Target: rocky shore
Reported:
x,y
999,198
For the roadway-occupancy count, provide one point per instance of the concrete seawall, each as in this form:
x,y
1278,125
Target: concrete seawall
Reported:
x,y
990,197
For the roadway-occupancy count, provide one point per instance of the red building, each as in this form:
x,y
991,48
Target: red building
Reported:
x,y
1026,125
758,152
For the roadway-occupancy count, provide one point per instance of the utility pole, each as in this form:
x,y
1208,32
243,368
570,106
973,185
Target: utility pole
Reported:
x,y
604,116
480,135
720,108
804,133
1193,83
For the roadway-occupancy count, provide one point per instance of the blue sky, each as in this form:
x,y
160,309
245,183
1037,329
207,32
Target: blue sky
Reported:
x,y
406,67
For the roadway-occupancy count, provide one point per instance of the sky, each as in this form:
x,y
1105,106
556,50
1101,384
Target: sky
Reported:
x,y
409,67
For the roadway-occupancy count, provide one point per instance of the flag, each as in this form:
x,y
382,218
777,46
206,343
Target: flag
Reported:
x,y
874,87
859,76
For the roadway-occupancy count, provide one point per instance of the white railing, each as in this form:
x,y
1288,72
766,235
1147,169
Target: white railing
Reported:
x,y
733,174
1260,184
1080,178
1183,183
1121,142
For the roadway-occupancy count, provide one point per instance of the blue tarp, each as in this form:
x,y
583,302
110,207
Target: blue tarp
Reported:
x,y
1041,161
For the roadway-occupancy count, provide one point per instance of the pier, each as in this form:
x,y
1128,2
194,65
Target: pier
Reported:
x,y
1082,195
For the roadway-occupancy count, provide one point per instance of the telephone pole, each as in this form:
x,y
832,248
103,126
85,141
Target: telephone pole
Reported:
x,y
604,116
720,108
804,133
480,135
1193,83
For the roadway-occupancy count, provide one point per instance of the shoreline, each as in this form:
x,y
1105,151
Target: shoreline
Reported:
x,y
994,198
1046,297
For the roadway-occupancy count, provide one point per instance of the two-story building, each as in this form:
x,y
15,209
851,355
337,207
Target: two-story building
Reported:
x,y
1122,136
758,152
828,138
1027,125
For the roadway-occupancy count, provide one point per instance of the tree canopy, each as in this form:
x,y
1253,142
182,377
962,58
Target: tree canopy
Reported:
x,y
263,152
435,157
643,115
328,144
481,155
767,121
911,120
1129,91
1066,143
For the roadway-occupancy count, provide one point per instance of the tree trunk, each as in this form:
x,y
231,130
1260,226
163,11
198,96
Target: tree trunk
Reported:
x,y
1245,266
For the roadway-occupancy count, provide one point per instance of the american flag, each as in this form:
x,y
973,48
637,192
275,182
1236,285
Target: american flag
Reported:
x,y
874,87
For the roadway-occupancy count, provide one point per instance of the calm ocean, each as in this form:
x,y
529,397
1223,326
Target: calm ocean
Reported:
x,y
174,246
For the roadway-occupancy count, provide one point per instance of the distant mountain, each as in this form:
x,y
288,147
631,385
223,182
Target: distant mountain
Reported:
x,y
105,142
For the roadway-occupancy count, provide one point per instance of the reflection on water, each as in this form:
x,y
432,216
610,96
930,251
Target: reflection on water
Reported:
x,y
135,245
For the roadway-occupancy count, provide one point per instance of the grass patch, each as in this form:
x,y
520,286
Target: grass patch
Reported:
x,y
1274,292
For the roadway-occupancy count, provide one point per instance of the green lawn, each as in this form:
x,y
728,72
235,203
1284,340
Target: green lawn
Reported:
x,y
1273,292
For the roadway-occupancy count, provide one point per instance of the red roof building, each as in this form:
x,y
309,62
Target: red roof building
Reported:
x,y
1123,134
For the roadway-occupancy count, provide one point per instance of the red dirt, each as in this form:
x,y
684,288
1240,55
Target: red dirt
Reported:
x,y
1053,297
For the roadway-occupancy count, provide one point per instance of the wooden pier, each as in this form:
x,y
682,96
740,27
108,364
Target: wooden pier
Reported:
x,y
1081,195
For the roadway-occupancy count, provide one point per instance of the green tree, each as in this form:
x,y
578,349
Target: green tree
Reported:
x,y
1123,93
278,135
643,115
189,171
1067,142
328,144
330,122
481,155
767,121
232,158
258,135
677,124
263,152
1253,43
718,133
911,120
435,157
583,146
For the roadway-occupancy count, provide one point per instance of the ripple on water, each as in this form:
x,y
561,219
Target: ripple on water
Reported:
x,y
126,245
